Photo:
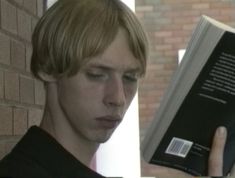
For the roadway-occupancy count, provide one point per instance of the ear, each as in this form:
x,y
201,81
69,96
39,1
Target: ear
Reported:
x,y
46,77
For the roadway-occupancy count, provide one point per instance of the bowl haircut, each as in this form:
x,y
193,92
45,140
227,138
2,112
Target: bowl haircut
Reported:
x,y
73,31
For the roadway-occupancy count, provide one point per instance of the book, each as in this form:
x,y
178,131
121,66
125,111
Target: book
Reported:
x,y
199,98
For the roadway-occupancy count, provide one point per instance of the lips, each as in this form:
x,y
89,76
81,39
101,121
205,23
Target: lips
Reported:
x,y
108,122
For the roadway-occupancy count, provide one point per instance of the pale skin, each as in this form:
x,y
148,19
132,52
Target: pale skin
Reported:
x,y
83,111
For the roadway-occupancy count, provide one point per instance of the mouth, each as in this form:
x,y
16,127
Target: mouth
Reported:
x,y
108,122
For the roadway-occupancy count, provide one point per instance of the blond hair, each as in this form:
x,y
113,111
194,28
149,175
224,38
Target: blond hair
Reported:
x,y
72,31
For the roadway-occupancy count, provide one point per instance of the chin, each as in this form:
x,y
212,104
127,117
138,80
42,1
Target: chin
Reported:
x,y
103,138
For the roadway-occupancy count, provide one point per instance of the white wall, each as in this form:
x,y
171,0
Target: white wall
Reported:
x,y
180,55
50,2
120,156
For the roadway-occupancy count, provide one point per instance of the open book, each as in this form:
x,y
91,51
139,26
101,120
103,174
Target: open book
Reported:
x,y
200,97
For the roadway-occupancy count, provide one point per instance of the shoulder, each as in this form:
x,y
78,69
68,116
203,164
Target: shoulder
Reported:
x,y
20,162
16,166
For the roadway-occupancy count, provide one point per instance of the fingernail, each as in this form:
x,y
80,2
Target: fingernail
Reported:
x,y
221,131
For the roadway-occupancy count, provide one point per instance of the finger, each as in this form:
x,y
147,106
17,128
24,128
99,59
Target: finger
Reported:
x,y
217,151
166,172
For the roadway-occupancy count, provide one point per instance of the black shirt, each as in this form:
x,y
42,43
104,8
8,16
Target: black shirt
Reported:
x,y
38,155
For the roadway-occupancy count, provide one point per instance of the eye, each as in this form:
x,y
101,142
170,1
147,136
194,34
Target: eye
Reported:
x,y
131,77
96,75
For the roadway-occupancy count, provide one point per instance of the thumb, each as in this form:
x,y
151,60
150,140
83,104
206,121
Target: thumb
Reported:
x,y
215,163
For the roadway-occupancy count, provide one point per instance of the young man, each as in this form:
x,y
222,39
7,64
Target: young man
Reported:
x,y
90,55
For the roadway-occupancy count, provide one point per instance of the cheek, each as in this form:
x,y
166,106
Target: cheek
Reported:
x,y
130,92
78,106
79,97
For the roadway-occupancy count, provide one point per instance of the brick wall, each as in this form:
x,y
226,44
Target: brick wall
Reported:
x,y
169,24
21,96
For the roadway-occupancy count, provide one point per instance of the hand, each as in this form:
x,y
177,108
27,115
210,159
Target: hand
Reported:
x,y
216,156
215,162
166,172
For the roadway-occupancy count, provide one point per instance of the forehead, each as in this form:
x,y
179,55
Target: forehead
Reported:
x,y
117,55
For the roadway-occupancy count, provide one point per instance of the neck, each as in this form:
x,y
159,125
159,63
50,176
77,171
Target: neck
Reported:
x,y
55,123
80,148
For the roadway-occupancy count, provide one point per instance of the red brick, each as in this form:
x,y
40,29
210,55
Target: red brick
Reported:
x,y
1,84
20,121
2,150
172,26
20,2
34,23
6,144
201,6
11,86
183,20
144,8
190,13
181,33
28,57
17,54
5,49
34,117
173,40
163,47
39,93
173,2
40,7
155,67
8,17
163,34
212,13
188,27
226,12
140,15
163,21
31,5
26,90
5,120
221,5
9,145
172,14
24,25
17,19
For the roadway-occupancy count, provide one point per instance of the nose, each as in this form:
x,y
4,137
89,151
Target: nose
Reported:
x,y
114,93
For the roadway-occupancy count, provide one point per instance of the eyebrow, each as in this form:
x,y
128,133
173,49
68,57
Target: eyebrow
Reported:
x,y
110,68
